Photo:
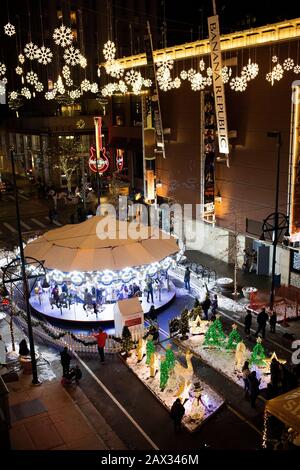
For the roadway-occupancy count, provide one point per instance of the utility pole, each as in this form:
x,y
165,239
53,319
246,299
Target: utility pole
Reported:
x,y
35,379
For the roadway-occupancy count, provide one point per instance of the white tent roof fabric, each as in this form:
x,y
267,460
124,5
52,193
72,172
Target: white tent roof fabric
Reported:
x,y
129,307
94,246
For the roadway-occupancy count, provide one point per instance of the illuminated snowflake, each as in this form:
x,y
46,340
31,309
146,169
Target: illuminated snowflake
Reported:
x,y
72,56
122,86
274,59
19,70
197,82
2,89
297,69
85,85
82,61
246,73
26,92
4,80
208,81
39,87
163,75
110,88
74,94
94,87
32,78
2,69
176,82
254,69
165,61
183,75
225,75
131,76
201,65
66,72
63,36
50,95
238,84
190,74
44,55
270,78
288,64
114,68
9,29
69,81
209,71
59,86
147,82
109,50
13,95
277,72
30,50
21,58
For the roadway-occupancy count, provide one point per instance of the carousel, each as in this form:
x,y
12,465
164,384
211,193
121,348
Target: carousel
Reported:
x,y
92,265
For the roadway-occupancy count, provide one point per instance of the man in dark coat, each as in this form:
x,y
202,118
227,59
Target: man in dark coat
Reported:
x,y
177,413
273,321
65,360
262,319
187,277
254,388
205,306
248,322
275,374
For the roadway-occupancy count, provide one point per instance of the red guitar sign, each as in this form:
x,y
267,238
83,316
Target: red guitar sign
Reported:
x,y
102,163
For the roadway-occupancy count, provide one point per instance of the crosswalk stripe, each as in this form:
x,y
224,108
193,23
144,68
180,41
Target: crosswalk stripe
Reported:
x,y
12,229
23,197
25,225
37,222
54,222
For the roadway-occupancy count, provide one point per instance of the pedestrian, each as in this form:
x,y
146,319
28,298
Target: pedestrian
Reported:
x,y
273,321
87,299
246,372
101,337
152,313
275,374
187,278
214,306
23,348
253,387
177,413
149,289
248,322
65,360
206,305
262,319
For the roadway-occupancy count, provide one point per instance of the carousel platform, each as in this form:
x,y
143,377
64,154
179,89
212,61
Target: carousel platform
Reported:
x,y
77,315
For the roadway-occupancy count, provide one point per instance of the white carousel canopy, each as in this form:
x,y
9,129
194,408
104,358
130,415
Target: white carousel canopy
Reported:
x,y
95,246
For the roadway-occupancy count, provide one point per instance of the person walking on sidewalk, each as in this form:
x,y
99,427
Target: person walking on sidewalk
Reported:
x,y
246,372
262,319
177,413
65,360
101,338
254,388
214,306
187,279
206,305
149,284
248,322
273,321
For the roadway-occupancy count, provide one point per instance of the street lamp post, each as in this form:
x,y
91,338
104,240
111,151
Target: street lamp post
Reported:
x,y
35,379
277,222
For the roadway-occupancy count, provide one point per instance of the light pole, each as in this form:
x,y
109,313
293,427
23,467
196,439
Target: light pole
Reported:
x,y
277,222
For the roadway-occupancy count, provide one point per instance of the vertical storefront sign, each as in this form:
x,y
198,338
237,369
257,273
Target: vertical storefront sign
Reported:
x,y
220,103
294,202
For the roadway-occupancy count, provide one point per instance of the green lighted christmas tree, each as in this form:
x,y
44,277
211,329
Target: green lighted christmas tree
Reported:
x,y
184,324
164,374
150,348
233,339
127,343
215,335
170,358
258,354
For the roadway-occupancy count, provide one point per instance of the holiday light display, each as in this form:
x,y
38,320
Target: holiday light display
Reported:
x,y
233,339
215,336
258,354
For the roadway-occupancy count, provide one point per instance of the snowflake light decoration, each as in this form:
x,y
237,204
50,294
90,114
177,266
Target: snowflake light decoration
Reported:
x,y
109,50
110,88
50,95
238,84
208,81
59,86
137,85
147,82
114,68
277,72
94,87
21,58
2,69
297,69
85,85
190,74
270,77
66,72
225,75
197,82
72,56
30,50
32,78
201,65
165,61
165,86
44,55
74,94
163,75
13,95
26,92
19,70
4,80
122,86
82,61
274,59
63,36
176,83
9,29
39,87
183,75
2,89
209,71
69,81
131,76
288,64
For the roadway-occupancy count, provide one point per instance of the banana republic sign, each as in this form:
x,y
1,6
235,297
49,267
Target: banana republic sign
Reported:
x,y
220,104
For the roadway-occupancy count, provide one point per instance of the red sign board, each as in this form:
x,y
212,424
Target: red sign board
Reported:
x,y
133,321
101,164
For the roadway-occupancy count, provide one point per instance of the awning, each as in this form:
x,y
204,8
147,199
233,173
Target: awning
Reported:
x,y
286,408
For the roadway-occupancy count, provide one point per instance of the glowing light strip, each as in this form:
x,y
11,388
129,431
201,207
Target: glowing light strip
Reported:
x,y
296,98
98,133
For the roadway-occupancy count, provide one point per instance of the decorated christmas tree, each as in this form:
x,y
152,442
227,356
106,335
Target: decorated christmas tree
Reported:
x,y
170,358
184,324
233,339
215,335
150,348
258,354
127,343
164,374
